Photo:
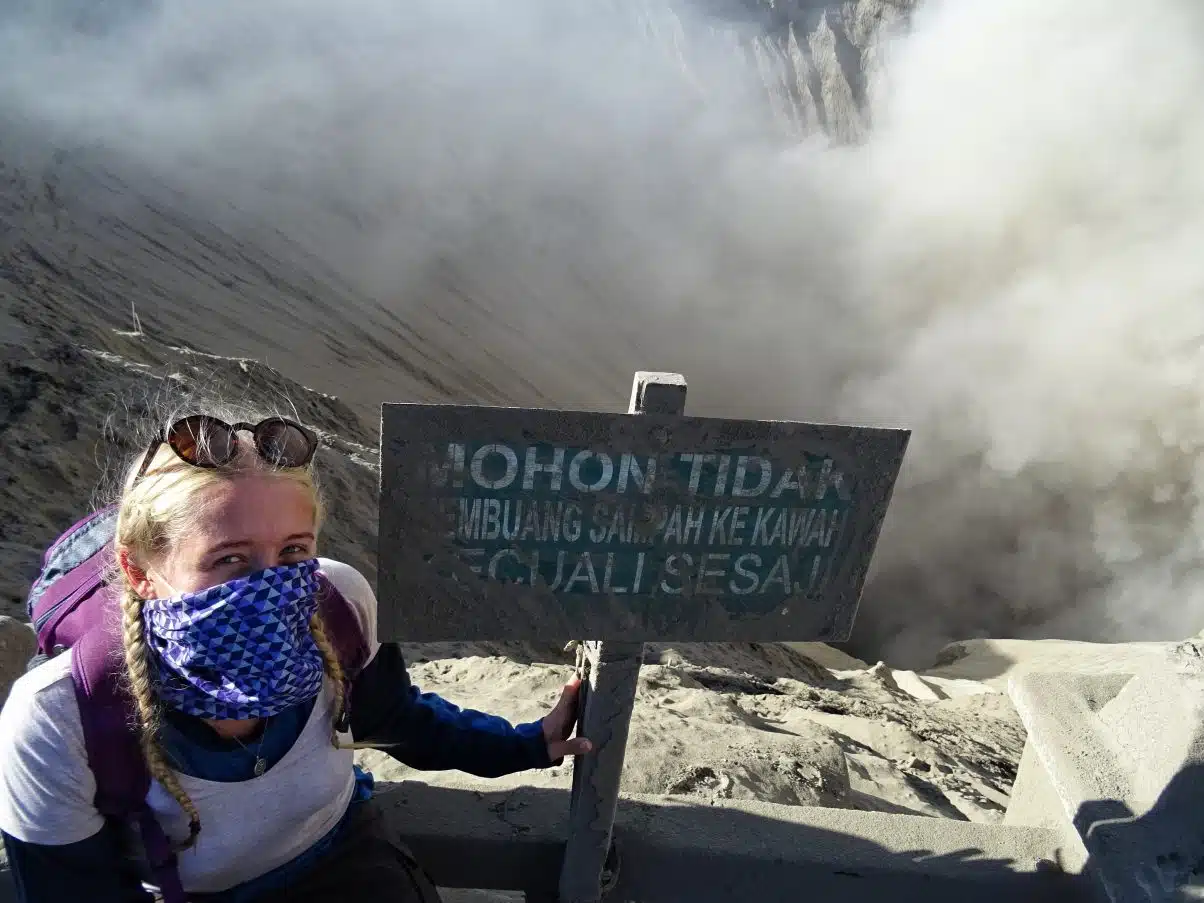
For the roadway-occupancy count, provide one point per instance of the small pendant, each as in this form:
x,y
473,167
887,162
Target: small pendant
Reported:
x,y
260,767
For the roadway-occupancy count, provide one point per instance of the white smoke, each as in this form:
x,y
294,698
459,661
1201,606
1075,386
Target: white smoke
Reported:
x,y
1011,263
1034,210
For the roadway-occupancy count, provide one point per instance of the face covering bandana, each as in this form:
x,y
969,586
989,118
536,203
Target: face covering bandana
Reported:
x,y
241,649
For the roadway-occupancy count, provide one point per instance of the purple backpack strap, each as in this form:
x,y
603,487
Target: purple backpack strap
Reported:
x,y
162,857
114,752
106,713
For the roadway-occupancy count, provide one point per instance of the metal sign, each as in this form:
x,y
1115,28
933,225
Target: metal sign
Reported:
x,y
501,523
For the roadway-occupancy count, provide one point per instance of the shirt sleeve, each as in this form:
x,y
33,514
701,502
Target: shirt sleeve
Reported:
x,y
85,870
46,787
58,844
429,733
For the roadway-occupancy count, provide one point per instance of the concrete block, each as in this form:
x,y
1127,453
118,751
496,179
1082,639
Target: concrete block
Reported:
x,y
1122,767
1082,760
1035,804
1158,719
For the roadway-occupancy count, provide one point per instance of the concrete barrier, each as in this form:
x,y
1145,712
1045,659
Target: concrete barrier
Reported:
x,y
672,850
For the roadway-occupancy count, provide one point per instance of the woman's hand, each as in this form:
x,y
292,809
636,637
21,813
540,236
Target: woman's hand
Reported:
x,y
558,724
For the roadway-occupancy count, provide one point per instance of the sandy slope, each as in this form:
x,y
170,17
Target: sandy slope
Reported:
x,y
761,722
853,744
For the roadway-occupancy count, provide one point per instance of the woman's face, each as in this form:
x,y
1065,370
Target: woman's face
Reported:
x,y
245,525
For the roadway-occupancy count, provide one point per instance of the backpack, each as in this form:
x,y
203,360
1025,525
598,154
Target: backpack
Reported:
x,y
72,606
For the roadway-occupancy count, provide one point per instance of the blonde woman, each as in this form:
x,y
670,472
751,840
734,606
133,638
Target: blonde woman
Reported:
x,y
238,697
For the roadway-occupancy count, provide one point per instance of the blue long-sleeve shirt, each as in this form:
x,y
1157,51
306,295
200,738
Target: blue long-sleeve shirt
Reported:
x,y
423,731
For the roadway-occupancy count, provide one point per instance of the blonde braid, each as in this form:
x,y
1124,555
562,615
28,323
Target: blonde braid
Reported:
x,y
334,671
137,657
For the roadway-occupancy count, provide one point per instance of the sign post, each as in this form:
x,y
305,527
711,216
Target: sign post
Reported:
x,y
612,673
529,524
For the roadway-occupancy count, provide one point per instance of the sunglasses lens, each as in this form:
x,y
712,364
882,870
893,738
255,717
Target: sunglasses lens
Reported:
x,y
284,444
202,441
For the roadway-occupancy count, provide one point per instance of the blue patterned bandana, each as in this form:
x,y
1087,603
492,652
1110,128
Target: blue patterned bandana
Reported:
x,y
240,649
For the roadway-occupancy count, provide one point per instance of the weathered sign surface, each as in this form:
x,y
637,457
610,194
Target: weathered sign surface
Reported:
x,y
516,523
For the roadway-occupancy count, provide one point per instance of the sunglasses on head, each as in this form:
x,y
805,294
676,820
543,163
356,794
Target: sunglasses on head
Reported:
x,y
204,441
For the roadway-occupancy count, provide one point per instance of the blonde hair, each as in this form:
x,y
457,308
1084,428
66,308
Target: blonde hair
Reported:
x,y
154,512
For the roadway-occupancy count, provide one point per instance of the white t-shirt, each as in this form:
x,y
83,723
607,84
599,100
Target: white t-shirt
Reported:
x,y
248,827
